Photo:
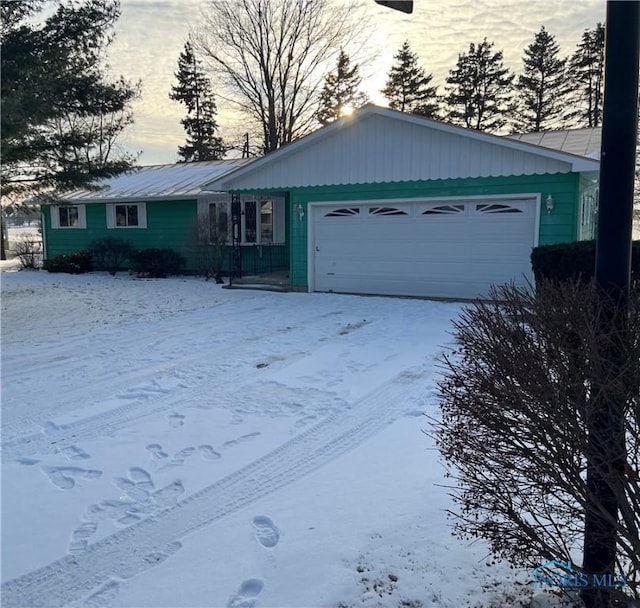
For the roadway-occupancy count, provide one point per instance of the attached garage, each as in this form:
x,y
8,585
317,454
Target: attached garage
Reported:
x,y
383,202
449,248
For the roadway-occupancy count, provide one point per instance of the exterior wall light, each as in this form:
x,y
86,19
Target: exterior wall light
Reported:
x,y
300,211
549,203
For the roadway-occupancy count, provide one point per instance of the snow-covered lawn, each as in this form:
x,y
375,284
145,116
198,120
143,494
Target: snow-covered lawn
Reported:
x,y
168,443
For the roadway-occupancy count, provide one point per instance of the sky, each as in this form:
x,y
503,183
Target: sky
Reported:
x,y
151,34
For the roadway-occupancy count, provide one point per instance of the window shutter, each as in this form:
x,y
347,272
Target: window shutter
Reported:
x,y
111,215
55,216
142,215
82,216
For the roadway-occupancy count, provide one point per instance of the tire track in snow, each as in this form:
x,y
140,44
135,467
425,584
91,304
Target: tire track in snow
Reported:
x,y
230,346
106,423
153,540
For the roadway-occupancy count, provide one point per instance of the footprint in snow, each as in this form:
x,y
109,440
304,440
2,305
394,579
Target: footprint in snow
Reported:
x,y
155,449
266,532
63,477
208,453
242,439
247,595
73,452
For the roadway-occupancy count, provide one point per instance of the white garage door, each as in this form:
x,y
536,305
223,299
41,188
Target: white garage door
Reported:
x,y
446,249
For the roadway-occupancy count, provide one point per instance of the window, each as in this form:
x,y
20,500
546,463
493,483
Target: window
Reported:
x,y
386,211
68,216
127,215
219,222
444,210
266,221
497,208
261,221
345,212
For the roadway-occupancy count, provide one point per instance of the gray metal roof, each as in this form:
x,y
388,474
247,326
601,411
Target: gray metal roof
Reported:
x,y
583,142
179,181
379,145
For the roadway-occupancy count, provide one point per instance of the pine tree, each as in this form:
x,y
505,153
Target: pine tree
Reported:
x,y
194,91
542,87
586,71
407,87
479,91
61,112
340,93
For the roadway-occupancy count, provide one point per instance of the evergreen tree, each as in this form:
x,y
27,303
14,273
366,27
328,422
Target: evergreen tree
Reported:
x,y
479,91
194,91
340,93
60,112
407,87
586,72
542,87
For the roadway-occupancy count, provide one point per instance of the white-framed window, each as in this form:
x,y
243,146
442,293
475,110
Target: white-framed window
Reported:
x,y
126,215
262,219
68,216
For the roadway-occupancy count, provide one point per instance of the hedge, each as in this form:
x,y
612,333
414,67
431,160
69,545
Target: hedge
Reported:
x,y
576,261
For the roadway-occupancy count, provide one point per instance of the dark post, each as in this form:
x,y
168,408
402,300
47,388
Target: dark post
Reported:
x,y
235,272
606,452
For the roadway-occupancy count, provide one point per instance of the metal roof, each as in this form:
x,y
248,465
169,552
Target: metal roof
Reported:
x,y
379,145
179,181
583,142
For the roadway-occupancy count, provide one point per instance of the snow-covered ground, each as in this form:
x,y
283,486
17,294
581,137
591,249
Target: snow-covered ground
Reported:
x,y
168,443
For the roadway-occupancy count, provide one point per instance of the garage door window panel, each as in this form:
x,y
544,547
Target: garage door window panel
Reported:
x,y
387,211
345,212
497,208
444,210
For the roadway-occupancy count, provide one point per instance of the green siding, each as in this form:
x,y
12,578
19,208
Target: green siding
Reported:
x,y
556,227
169,224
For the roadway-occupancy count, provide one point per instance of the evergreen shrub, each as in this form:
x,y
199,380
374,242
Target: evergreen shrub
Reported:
x,y
77,262
157,263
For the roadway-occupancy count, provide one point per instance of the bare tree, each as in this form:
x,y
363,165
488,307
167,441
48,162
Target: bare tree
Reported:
x,y
516,398
271,57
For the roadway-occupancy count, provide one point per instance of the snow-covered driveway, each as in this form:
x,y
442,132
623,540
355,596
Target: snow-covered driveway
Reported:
x,y
170,443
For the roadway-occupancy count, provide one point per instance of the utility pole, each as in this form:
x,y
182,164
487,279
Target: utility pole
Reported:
x,y
606,448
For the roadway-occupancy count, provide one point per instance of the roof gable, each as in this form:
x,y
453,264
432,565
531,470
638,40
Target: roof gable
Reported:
x,y
178,181
377,145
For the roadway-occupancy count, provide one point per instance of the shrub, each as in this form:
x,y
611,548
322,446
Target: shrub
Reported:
x,y
110,253
73,263
28,251
157,263
576,261
528,375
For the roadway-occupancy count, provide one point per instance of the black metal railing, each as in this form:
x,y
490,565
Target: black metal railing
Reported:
x,y
257,259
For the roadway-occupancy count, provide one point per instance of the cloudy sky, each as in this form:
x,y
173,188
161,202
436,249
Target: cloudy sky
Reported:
x,y
151,34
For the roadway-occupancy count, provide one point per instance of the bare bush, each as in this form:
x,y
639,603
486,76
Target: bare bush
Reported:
x,y
516,398
207,239
28,249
